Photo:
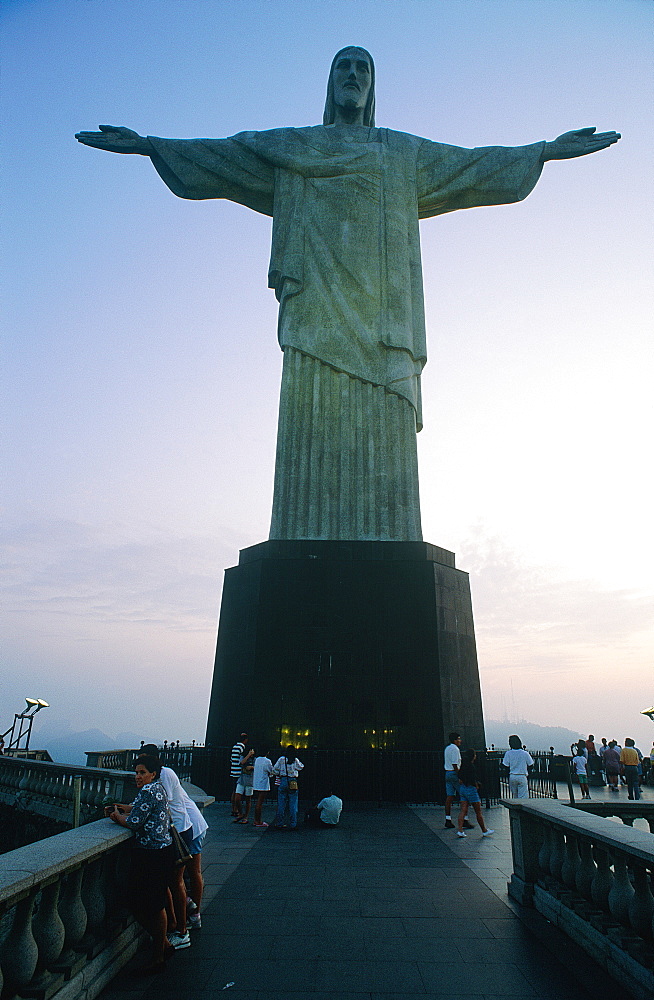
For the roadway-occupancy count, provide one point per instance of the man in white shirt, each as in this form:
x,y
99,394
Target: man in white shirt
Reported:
x,y
452,759
326,813
518,762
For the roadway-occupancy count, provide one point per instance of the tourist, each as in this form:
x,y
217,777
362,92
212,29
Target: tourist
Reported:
x,y
518,762
152,859
612,765
469,794
579,765
287,769
244,787
326,814
263,769
452,762
192,828
629,762
590,745
235,765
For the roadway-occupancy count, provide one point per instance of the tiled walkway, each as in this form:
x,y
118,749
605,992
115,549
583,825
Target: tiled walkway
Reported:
x,y
387,906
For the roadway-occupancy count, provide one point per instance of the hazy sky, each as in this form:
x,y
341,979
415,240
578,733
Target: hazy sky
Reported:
x,y
141,369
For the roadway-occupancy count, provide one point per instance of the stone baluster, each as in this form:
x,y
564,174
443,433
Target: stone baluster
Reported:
x,y
49,934
586,870
20,952
603,879
641,907
622,890
94,890
557,855
73,915
545,847
571,861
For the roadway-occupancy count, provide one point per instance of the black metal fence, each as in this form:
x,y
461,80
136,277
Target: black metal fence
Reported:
x,y
541,779
414,776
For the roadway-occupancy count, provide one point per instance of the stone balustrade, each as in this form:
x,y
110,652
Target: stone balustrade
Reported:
x,y
64,929
626,811
49,790
592,878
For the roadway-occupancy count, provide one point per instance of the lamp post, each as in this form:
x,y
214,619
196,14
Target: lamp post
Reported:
x,y
21,730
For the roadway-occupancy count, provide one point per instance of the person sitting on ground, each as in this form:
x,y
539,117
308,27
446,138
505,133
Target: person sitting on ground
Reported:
x,y
326,813
263,769
518,762
579,764
244,788
469,793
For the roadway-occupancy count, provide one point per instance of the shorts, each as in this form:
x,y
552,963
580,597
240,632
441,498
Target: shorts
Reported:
x,y
242,789
194,846
469,794
452,783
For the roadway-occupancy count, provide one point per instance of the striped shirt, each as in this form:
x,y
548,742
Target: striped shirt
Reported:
x,y
238,751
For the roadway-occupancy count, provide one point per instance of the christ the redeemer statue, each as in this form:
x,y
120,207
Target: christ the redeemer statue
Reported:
x,y
346,198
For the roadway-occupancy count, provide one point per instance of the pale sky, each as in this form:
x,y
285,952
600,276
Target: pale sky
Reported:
x,y
141,369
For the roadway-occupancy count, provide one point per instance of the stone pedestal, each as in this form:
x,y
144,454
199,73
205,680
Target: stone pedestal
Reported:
x,y
346,645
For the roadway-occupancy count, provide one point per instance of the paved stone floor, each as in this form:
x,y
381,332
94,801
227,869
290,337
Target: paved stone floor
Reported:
x,y
387,906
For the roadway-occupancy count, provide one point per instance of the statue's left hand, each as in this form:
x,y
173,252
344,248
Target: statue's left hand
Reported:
x,y
580,142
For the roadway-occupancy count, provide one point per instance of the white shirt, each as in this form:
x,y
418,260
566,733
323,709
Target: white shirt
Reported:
x,y
282,768
330,809
176,804
452,757
261,774
517,761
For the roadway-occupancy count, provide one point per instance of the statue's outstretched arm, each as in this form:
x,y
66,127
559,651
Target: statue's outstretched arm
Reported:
x,y
580,142
116,139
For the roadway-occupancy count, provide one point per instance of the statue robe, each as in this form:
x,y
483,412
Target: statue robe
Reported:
x,y
345,266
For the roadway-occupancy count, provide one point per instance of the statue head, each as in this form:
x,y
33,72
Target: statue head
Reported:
x,y
351,87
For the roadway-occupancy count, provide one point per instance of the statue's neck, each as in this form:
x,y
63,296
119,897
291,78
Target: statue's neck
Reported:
x,y
348,116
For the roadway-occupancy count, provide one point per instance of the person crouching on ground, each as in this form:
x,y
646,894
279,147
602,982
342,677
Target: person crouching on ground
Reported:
x,y
326,814
152,859
469,793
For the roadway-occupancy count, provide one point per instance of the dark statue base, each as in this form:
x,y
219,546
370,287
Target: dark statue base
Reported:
x,y
346,645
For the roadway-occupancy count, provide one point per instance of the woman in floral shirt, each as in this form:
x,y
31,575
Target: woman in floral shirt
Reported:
x,y
152,857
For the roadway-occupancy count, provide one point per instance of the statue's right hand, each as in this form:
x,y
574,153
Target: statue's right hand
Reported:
x,y
116,139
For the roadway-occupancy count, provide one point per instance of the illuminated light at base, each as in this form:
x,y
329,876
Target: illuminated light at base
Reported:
x,y
299,738
380,739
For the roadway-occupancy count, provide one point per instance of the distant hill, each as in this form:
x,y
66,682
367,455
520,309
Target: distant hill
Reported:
x,y
68,747
534,737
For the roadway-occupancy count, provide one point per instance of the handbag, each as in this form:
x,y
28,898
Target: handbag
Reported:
x,y
180,851
292,782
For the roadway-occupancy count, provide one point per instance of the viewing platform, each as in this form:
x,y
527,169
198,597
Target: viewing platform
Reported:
x,y
387,906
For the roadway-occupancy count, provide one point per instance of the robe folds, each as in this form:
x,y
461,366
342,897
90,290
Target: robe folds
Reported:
x,y
345,266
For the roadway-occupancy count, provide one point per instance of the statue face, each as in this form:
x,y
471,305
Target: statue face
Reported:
x,y
351,79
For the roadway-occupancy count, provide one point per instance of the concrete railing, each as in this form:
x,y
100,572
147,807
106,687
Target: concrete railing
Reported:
x,y
64,931
593,879
59,792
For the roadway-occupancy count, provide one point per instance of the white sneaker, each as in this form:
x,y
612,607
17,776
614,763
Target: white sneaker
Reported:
x,y
179,941
488,833
194,921
460,833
